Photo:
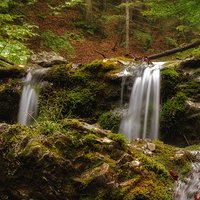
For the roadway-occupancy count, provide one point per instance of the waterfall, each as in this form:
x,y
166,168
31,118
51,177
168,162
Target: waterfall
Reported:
x,y
28,107
142,117
189,189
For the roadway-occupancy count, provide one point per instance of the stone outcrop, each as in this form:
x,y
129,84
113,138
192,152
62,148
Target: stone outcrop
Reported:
x,y
68,161
47,59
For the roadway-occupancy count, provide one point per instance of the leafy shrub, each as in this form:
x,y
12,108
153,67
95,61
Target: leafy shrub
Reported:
x,y
143,38
56,43
13,46
92,28
170,42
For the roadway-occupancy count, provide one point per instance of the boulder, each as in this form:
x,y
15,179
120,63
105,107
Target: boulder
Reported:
x,y
47,59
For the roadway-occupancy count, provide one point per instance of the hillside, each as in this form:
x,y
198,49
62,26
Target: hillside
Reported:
x,y
67,31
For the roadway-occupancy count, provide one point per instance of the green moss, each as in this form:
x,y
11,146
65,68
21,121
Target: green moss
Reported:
x,y
194,147
80,103
90,139
152,165
186,169
84,91
170,79
59,75
191,89
120,139
110,121
99,69
149,189
173,116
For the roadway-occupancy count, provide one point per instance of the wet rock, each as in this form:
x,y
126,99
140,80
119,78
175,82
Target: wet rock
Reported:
x,y
135,163
179,154
92,174
3,127
47,59
151,146
105,140
125,158
193,105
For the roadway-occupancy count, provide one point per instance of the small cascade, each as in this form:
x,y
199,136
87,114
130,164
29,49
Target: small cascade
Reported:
x,y
189,189
29,99
142,117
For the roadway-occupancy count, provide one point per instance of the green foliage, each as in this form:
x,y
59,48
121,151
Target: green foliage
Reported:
x,y
56,43
93,28
48,127
14,51
143,38
14,34
63,103
55,10
110,121
172,43
185,11
74,36
173,115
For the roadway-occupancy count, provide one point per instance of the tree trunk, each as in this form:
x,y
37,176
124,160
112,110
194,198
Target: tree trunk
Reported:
x,y
175,50
88,10
127,26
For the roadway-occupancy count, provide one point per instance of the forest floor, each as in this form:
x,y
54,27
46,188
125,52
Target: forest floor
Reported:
x,y
91,46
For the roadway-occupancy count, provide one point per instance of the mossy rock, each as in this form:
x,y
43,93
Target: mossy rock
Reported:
x,y
170,79
74,161
9,101
83,91
173,116
12,72
178,119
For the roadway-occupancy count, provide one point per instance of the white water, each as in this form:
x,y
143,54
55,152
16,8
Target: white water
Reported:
x,y
29,99
142,117
189,189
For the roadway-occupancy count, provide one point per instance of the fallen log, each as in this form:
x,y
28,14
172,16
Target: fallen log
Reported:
x,y
175,50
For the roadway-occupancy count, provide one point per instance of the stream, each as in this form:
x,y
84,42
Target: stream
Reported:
x,y
189,188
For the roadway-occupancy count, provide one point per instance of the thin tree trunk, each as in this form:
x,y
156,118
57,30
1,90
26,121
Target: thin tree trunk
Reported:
x,y
88,10
175,50
127,26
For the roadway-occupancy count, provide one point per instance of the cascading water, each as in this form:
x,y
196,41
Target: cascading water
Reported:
x,y
29,99
142,118
189,189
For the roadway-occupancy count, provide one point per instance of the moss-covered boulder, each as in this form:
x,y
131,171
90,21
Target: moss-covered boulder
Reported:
x,y
9,100
83,91
76,160
10,89
180,97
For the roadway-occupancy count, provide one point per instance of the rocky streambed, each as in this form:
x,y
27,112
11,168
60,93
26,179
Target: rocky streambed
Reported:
x,y
189,188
